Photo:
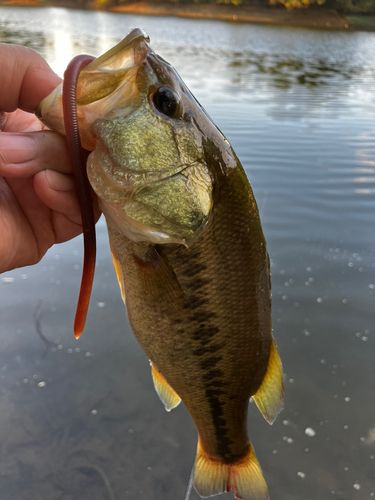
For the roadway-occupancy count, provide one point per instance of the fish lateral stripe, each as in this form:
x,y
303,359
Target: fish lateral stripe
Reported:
x,y
244,477
207,347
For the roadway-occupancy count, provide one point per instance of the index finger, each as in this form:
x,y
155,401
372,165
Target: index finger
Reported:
x,y
25,79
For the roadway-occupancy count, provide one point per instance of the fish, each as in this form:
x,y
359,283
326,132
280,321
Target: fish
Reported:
x,y
188,250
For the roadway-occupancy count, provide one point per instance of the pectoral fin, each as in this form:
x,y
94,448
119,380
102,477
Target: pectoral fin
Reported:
x,y
270,396
159,280
164,390
118,272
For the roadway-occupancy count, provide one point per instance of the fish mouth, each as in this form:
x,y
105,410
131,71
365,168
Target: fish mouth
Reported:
x,y
111,72
104,86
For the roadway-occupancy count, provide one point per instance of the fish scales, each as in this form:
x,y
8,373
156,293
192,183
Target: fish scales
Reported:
x,y
222,322
188,250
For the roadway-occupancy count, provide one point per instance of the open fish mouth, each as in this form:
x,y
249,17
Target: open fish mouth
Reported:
x,y
104,86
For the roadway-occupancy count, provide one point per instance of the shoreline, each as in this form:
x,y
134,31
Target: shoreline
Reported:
x,y
302,18
315,18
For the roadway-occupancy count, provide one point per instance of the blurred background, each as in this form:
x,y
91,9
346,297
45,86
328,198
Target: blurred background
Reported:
x,y
80,420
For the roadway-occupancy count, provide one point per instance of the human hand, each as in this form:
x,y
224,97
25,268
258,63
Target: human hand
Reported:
x,y
38,202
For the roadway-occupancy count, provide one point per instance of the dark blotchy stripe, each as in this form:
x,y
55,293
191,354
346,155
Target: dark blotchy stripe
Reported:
x,y
201,351
216,383
223,442
210,362
205,342
207,349
205,333
216,373
197,283
193,269
202,316
195,301
214,393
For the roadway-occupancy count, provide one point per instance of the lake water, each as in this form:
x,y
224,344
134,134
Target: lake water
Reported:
x,y
81,420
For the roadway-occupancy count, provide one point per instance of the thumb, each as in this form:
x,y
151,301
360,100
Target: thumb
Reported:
x,y
22,155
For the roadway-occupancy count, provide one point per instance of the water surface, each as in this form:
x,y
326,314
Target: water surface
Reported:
x,y
81,420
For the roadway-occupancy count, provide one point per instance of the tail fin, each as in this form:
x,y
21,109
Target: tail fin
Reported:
x,y
244,478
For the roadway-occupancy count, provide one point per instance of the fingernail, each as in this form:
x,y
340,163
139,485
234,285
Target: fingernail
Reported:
x,y
17,148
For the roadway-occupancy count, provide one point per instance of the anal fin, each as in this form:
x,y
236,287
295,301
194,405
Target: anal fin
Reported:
x,y
244,478
269,398
165,392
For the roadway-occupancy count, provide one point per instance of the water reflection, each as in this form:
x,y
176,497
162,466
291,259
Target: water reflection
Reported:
x,y
82,420
286,72
50,33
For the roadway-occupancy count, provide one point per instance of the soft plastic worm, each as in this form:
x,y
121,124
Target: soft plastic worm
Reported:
x,y
78,159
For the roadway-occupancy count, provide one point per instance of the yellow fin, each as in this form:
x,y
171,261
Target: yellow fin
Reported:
x,y
269,398
244,478
165,392
120,280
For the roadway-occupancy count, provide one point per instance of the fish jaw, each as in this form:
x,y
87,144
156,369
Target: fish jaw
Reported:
x,y
105,85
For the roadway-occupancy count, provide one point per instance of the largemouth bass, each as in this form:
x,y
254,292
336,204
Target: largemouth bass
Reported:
x,y
188,250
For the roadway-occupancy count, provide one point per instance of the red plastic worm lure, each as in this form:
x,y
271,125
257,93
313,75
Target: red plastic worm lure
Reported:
x,y
78,159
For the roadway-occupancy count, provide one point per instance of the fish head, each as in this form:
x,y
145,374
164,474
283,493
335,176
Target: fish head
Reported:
x,y
152,144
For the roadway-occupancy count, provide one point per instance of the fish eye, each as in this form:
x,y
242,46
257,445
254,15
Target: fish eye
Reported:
x,y
167,101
